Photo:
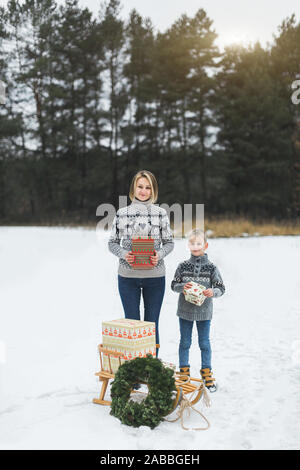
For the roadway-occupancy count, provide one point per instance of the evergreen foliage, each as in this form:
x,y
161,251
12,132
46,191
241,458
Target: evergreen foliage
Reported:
x,y
92,100
159,401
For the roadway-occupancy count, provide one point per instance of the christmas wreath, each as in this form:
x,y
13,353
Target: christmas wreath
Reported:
x,y
159,401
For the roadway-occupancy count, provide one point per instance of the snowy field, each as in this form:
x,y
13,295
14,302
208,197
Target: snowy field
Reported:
x,y
56,287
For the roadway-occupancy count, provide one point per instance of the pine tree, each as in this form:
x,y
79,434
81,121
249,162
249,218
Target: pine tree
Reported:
x,y
254,134
78,89
114,42
185,56
285,55
137,70
9,122
205,57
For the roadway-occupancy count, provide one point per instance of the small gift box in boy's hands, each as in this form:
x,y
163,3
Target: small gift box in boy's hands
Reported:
x,y
194,294
142,249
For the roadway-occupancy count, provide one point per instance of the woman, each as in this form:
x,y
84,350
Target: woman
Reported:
x,y
142,218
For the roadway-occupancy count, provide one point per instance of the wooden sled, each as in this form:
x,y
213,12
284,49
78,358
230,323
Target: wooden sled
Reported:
x,y
193,387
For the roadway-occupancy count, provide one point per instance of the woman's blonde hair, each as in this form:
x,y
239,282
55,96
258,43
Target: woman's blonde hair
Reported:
x,y
152,181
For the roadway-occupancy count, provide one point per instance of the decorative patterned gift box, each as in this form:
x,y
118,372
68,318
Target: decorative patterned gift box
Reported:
x,y
133,338
142,248
194,293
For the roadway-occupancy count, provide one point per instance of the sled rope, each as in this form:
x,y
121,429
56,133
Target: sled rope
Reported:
x,y
186,404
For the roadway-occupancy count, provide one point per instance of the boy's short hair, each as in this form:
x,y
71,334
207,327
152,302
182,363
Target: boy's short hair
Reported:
x,y
197,233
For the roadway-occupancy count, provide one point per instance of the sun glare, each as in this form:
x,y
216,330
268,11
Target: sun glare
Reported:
x,y
235,38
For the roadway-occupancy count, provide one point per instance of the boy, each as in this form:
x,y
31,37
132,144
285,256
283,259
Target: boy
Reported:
x,y
198,269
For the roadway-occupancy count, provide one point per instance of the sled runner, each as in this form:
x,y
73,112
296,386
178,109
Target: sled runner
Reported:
x,y
192,389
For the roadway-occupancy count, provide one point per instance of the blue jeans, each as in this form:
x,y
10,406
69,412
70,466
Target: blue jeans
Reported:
x,y
186,328
153,290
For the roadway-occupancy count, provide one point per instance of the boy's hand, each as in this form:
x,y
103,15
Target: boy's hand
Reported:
x,y
154,258
186,286
208,293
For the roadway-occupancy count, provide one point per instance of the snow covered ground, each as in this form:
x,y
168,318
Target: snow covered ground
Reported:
x,y
56,287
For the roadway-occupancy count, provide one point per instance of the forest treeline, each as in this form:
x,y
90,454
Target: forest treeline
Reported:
x,y
93,99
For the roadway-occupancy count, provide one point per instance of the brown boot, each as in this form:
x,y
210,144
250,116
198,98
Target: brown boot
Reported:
x,y
184,373
208,379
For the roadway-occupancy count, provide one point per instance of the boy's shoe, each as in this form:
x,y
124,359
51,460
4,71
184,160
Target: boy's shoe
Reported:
x,y
206,375
184,373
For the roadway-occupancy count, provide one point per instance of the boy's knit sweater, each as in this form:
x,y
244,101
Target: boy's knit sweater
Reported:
x,y
198,269
141,218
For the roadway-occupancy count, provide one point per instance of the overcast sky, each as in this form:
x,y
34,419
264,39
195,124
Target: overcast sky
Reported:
x,y
234,20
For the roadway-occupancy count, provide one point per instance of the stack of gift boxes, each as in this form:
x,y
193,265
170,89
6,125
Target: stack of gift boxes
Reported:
x,y
133,338
142,248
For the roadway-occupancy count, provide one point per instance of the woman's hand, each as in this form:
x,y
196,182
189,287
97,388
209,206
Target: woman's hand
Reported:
x,y
130,257
154,258
208,293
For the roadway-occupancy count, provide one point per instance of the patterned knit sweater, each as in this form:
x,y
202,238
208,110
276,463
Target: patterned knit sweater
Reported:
x,y
141,218
198,269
